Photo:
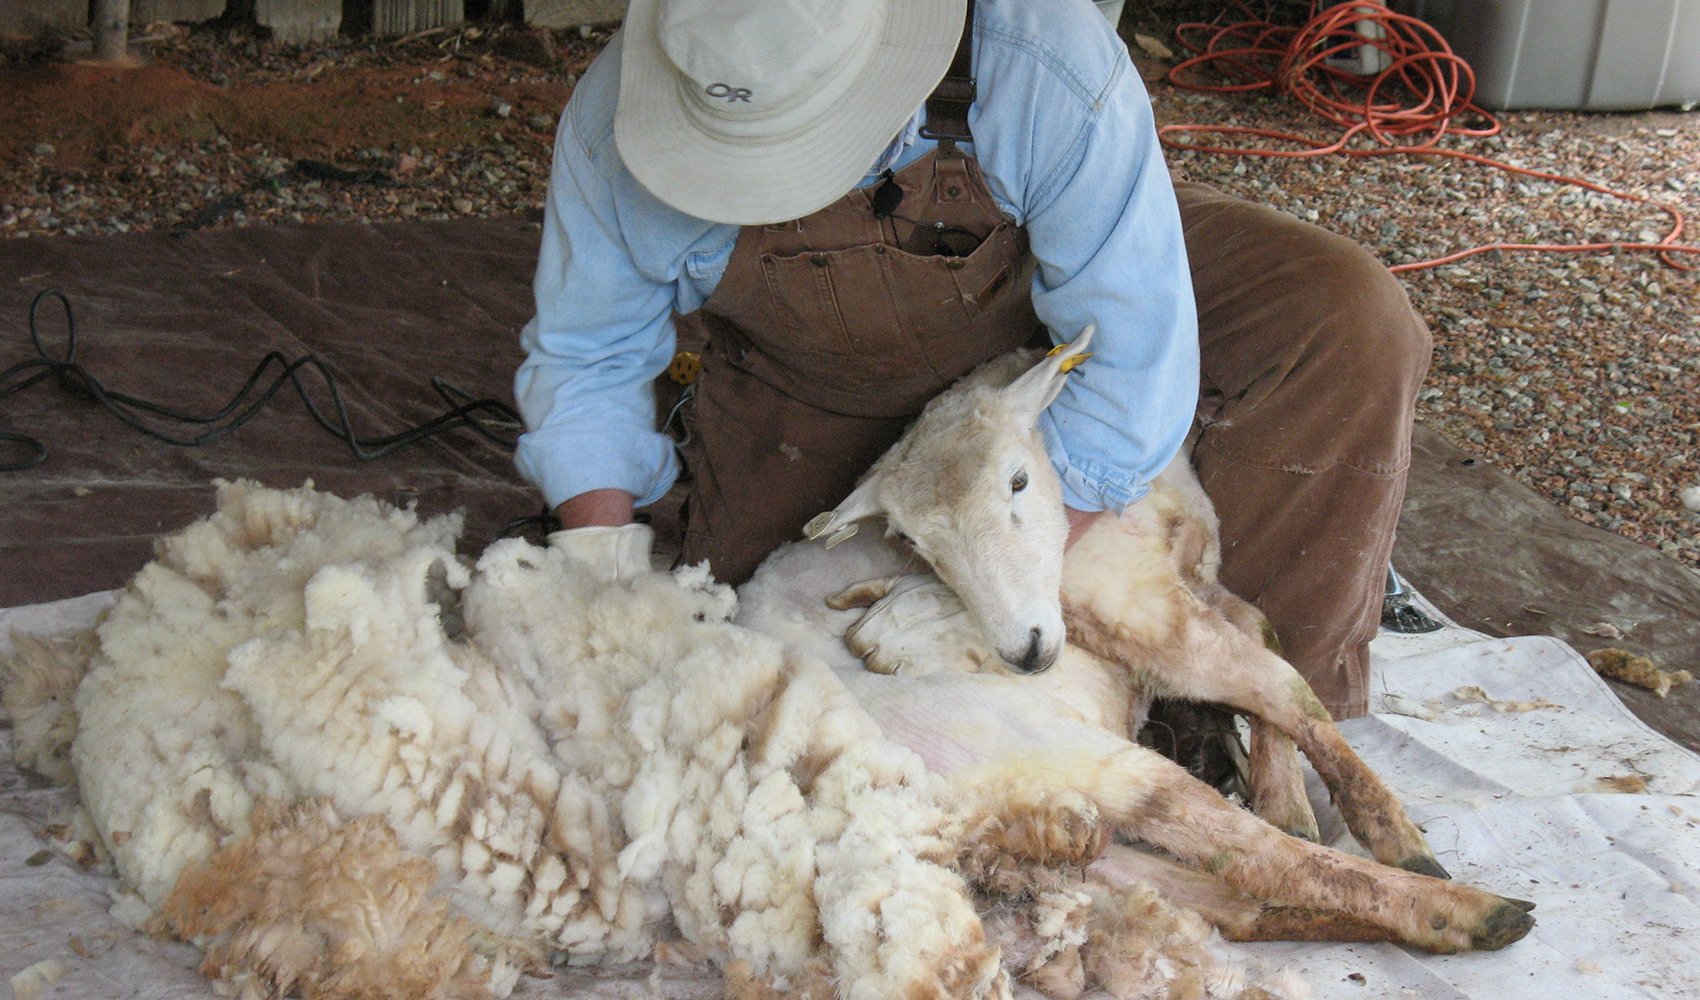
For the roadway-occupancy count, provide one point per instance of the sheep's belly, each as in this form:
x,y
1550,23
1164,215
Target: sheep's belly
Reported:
x,y
971,725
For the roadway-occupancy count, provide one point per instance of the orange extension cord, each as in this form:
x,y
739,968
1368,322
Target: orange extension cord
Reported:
x,y
1437,84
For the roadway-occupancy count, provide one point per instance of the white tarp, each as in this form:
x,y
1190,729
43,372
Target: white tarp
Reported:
x,y
1531,802
1527,804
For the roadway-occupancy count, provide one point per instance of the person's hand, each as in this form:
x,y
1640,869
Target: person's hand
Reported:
x,y
1078,522
914,625
607,553
606,508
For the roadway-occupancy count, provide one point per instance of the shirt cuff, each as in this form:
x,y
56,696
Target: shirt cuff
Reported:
x,y
1087,486
563,464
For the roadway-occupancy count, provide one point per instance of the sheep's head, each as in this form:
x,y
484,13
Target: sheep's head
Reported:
x,y
970,487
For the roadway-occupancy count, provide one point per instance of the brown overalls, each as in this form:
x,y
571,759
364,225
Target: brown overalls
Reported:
x,y
828,335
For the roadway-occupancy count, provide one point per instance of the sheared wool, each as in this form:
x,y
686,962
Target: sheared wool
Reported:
x,y
588,767
307,904
37,684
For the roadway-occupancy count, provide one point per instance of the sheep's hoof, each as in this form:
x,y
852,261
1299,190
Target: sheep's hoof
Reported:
x,y
1310,832
1507,923
1423,864
1521,904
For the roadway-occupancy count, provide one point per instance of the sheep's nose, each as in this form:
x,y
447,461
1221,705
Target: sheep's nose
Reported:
x,y
1036,658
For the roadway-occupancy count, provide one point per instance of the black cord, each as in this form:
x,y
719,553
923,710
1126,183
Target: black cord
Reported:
x,y
889,196
482,416
540,524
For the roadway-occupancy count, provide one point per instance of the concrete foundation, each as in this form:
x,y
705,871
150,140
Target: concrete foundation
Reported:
x,y
294,22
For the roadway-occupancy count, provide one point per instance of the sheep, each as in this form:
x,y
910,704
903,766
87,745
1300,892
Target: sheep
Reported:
x,y
970,500
344,762
969,490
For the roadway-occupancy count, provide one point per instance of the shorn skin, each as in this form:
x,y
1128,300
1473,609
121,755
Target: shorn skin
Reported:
x,y
315,743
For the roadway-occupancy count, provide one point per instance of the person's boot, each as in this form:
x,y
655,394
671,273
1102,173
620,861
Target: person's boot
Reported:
x,y
1398,614
1202,738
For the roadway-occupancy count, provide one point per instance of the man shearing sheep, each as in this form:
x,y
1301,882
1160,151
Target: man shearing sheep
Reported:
x,y
860,200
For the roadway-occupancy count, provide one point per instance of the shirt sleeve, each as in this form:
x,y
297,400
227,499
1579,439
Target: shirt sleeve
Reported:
x,y
1105,230
602,333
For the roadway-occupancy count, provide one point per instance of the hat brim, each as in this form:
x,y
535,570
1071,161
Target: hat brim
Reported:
x,y
759,183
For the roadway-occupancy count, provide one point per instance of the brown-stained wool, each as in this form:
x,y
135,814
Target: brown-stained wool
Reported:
x,y
813,983
310,906
1080,934
1060,829
1630,668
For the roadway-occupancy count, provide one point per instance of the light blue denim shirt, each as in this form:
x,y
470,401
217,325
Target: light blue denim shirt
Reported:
x,y
1064,134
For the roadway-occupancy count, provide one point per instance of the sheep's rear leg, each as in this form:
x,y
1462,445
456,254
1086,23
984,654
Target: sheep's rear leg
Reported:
x,y
1238,916
1156,800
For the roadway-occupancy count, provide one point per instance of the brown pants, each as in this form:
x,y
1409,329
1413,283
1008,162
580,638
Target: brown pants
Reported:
x,y
1312,357
1311,360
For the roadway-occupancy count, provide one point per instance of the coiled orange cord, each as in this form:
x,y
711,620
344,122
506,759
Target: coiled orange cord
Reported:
x,y
1437,85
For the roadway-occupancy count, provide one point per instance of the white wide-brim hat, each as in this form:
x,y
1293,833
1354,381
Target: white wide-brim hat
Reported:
x,y
754,112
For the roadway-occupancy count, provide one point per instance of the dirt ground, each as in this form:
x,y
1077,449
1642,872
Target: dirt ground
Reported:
x,y
210,131
1579,375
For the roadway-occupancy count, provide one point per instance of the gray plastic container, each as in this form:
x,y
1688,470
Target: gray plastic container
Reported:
x,y
1594,55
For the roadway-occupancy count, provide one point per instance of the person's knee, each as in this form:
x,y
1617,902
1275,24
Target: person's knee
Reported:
x,y
1366,326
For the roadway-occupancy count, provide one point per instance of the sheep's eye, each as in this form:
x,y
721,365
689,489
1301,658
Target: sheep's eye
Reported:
x,y
905,539
1018,482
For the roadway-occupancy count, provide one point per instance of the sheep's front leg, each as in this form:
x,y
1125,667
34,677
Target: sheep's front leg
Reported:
x,y
1278,782
1191,651
1157,801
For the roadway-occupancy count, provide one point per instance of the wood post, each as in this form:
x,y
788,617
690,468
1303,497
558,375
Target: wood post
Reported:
x,y
111,29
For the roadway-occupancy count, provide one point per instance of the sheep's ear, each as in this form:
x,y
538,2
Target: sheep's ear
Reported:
x,y
840,523
1039,385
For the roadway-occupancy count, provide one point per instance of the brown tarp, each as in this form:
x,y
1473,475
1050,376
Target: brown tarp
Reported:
x,y
182,319
1501,559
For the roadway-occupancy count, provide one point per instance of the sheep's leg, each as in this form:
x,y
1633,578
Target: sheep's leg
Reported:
x,y
1004,748
1274,691
1278,783
1202,656
1156,800
1238,916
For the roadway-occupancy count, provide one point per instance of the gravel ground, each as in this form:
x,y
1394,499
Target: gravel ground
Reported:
x,y
1578,374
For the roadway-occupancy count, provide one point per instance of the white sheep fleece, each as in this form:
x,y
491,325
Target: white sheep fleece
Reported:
x,y
590,765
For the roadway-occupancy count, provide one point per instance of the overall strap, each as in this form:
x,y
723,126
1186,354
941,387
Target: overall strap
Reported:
x,y
947,107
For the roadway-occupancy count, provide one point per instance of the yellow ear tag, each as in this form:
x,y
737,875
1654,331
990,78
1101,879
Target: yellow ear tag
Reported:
x,y
1072,363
